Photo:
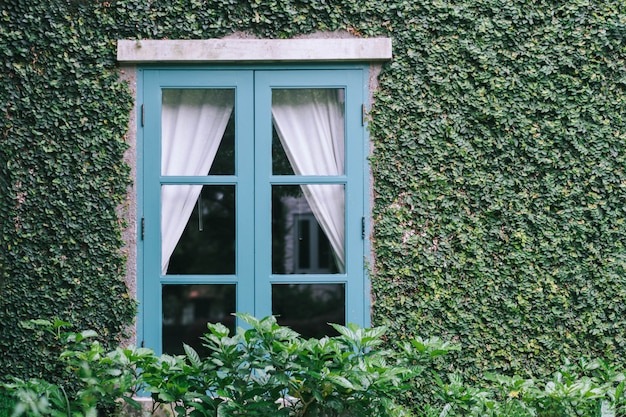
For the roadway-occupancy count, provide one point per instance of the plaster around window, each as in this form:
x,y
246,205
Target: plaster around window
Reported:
x,y
254,50
128,209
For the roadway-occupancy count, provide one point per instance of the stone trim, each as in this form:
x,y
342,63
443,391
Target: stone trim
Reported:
x,y
254,50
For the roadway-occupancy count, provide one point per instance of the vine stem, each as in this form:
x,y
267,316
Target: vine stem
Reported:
x,y
67,402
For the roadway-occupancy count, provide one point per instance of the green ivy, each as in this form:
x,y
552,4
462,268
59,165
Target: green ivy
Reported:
x,y
6,403
63,117
499,135
499,164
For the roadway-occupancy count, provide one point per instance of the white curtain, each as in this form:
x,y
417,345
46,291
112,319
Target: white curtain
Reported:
x,y
310,125
193,124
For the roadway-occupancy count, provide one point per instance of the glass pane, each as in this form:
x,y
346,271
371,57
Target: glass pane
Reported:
x,y
197,132
188,308
308,229
280,162
308,131
308,308
224,162
198,230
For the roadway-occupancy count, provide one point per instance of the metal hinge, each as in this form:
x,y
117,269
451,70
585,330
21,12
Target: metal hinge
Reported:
x,y
143,227
363,114
362,227
143,115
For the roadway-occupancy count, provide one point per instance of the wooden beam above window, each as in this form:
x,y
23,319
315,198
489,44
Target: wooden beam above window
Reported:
x,y
255,50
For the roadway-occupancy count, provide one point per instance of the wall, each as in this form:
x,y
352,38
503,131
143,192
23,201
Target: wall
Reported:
x,y
498,163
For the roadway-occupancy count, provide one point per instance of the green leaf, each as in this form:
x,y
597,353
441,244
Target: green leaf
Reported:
x,y
193,356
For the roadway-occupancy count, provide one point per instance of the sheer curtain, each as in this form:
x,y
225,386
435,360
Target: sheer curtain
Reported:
x,y
193,124
310,125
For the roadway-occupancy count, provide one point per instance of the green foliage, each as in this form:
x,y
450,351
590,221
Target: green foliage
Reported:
x,y
63,115
587,388
93,379
266,369
263,370
499,175
6,403
499,168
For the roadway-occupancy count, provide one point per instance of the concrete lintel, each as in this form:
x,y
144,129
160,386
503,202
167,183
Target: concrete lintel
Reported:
x,y
254,50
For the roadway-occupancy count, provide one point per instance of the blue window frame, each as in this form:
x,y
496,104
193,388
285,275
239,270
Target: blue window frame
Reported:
x,y
245,236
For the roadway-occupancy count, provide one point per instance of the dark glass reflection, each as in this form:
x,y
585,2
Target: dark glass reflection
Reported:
x,y
224,162
308,308
299,245
280,162
207,246
188,308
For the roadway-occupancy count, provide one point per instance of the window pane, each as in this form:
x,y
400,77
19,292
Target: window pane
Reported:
x,y
224,162
197,132
280,162
198,230
309,130
308,229
308,308
188,308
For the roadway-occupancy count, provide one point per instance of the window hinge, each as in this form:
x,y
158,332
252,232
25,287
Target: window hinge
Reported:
x,y
143,227
362,227
363,114
142,115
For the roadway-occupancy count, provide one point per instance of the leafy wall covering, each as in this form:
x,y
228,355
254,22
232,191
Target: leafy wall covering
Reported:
x,y
499,135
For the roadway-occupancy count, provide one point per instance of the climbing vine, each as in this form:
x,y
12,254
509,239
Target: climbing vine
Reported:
x,y
63,117
499,160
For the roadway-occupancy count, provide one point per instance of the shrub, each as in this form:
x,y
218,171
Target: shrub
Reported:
x,y
584,388
6,403
270,370
264,369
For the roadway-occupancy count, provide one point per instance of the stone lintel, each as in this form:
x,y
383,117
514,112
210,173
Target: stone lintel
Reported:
x,y
254,50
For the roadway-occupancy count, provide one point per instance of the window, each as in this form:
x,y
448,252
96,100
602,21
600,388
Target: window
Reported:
x,y
252,199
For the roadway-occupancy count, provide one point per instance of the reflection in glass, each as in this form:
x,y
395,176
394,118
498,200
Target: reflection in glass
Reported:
x,y
309,131
188,308
308,308
195,123
224,162
301,243
280,162
207,244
